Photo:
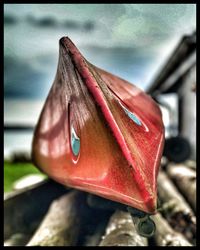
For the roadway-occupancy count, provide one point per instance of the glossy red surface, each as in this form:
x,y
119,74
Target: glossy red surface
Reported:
x,y
119,157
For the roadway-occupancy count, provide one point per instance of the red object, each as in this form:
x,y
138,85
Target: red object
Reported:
x,y
99,133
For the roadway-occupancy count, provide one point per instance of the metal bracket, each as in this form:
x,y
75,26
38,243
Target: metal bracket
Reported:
x,y
145,226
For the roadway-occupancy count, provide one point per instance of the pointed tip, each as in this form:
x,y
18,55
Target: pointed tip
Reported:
x,y
63,39
66,41
151,205
151,202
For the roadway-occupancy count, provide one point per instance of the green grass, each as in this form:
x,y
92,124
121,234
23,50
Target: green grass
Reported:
x,y
14,171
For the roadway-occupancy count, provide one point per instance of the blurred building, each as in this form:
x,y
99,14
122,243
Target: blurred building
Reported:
x,y
178,78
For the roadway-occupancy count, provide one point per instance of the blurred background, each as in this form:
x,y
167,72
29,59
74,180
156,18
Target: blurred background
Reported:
x,y
132,41
150,45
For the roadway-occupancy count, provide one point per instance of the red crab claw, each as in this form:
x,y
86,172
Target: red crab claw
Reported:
x,y
99,133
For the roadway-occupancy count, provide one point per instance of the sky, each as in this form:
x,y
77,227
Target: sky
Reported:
x,y
132,41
